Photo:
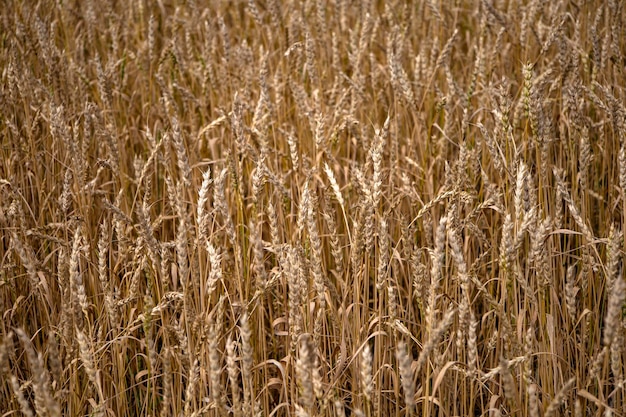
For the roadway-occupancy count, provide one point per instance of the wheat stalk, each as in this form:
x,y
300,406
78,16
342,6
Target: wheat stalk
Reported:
x,y
406,374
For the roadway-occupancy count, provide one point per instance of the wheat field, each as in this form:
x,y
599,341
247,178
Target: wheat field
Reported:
x,y
314,208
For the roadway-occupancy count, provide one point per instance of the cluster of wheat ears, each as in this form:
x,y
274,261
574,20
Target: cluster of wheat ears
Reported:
x,y
312,208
